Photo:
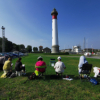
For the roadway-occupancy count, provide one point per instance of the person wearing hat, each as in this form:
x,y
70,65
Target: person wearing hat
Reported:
x,y
59,66
40,66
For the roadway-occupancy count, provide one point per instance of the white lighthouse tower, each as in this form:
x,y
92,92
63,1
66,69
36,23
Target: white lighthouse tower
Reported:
x,y
55,45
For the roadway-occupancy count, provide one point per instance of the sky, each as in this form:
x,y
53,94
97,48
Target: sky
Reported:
x,y
29,22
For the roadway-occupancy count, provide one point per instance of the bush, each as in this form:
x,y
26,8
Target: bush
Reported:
x,y
66,53
36,52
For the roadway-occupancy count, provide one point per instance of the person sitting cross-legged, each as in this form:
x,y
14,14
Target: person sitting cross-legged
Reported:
x,y
40,66
59,67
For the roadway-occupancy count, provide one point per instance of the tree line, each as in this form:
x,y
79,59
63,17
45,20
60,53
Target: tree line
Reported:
x,y
10,47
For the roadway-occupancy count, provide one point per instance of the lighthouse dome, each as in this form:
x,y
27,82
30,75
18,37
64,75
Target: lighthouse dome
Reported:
x,y
54,12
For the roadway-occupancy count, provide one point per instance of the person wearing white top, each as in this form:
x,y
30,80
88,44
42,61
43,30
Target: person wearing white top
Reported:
x,y
82,61
96,71
59,66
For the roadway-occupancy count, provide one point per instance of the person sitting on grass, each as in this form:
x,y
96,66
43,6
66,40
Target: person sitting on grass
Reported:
x,y
2,61
59,67
7,67
18,67
40,66
82,61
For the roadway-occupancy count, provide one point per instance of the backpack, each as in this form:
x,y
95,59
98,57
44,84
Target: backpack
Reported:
x,y
94,81
32,76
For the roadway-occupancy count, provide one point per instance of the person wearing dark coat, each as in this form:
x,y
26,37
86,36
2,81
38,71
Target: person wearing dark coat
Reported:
x,y
18,67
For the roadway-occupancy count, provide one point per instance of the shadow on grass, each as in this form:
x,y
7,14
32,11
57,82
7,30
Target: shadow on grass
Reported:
x,y
98,79
52,77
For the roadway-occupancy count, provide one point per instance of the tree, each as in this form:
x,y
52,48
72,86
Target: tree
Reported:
x,y
21,47
0,48
8,45
0,44
15,47
35,49
29,48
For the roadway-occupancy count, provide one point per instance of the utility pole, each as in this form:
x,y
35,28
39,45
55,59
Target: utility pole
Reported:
x,y
92,48
3,39
84,44
87,45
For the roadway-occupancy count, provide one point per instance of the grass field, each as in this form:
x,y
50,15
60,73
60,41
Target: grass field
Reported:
x,y
50,89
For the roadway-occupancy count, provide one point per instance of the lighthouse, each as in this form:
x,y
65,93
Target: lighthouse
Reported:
x,y
55,45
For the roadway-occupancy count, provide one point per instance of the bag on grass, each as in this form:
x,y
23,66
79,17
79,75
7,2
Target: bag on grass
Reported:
x,y
12,75
94,81
32,76
8,74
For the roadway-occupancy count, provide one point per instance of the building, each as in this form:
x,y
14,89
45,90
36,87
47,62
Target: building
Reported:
x,y
76,49
40,48
46,50
68,50
91,50
65,50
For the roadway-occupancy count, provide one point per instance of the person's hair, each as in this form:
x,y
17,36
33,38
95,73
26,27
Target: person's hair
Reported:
x,y
59,59
10,58
40,59
19,59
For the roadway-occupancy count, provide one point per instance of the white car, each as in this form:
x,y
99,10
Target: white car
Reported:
x,y
87,54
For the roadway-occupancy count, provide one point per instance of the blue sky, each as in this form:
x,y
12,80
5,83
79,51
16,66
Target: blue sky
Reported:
x,y
29,22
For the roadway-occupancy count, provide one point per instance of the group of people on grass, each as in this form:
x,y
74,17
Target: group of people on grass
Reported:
x,y
41,66
7,67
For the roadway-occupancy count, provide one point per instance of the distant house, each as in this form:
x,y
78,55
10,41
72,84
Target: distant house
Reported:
x,y
40,48
91,50
68,50
62,50
87,49
65,50
98,53
76,49
47,50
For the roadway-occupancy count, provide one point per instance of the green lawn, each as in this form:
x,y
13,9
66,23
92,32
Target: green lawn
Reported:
x,y
49,89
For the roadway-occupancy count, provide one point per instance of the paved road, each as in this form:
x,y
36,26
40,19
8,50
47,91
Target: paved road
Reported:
x,y
96,57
